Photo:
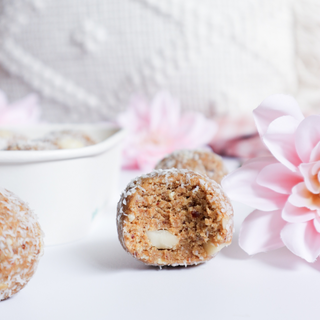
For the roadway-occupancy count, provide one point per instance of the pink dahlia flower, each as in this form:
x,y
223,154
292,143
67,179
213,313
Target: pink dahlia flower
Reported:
x,y
24,111
283,188
158,128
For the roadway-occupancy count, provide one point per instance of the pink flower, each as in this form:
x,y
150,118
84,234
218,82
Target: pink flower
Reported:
x,y
285,187
159,128
24,111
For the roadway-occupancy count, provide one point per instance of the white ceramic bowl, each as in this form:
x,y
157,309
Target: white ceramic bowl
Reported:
x,y
65,188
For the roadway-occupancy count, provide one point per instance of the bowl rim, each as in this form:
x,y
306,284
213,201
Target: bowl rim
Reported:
x,y
21,156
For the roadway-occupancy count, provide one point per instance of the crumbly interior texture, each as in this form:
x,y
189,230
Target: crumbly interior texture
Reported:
x,y
21,244
204,162
189,206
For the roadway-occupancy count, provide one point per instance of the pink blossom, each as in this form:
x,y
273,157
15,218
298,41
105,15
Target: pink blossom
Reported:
x,y
159,128
21,112
238,137
284,188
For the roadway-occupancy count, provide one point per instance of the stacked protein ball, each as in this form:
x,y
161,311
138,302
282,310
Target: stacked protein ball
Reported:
x,y
21,244
203,162
177,214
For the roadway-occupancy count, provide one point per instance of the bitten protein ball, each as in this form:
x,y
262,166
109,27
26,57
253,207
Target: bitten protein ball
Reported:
x,y
21,244
204,162
174,217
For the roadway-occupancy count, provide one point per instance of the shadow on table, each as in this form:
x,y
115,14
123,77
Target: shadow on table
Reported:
x,y
109,255
281,258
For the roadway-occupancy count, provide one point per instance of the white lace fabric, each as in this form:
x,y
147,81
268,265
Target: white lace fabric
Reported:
x,y
87,58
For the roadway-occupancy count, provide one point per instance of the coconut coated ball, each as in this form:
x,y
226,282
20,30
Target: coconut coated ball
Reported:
x,y
174,217
200,161
21,244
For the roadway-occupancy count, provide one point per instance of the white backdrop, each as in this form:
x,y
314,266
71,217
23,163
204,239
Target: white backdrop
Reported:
x,y
90,56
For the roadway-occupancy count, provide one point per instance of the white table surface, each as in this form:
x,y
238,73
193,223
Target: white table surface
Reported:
x,y
96,279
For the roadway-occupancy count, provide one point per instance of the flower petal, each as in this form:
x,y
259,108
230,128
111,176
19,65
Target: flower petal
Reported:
x,y
278,178
158,129
315,153
196,129
24,111
302,239
241,186
316,223
302,197
260,231
293,214
274,107
307,137
164,113
310,174
136,117
279,139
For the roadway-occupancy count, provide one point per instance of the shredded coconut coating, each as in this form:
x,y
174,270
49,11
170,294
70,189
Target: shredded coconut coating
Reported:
x,y
8,138
21,244
200,161
189,206
68,139
26,145
56,140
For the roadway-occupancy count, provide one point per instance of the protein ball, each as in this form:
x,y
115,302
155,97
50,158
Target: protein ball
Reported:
x,y
33,145
69,139
9,137
174,217
21,244
204,162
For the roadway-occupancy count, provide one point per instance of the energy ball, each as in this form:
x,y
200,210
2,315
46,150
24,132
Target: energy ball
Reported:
x,y
28,145
21,244
204,162
174,217
69,139
56,140
8,138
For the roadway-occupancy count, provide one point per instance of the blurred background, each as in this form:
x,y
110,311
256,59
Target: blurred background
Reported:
x,y
86,58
